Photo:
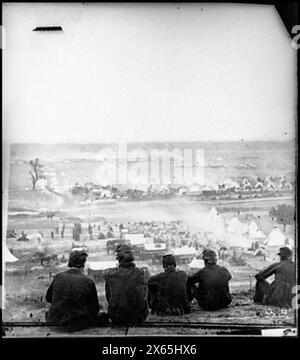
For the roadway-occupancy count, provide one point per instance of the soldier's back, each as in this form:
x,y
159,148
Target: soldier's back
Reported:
x,y
125,287
213,290
171,288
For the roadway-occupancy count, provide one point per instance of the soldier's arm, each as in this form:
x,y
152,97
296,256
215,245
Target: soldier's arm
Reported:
x,y
107,292
93,299
228,274
269,271
153,280
191,281
151,290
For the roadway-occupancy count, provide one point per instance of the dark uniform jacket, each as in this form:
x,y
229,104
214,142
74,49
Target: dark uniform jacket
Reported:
x,y
125,289
279,292
73,298
167,293
212,292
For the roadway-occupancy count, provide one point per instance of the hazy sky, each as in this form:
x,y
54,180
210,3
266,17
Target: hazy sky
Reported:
x,y
144,72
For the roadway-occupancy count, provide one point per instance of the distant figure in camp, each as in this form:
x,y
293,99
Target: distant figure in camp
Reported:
x,y
62,232
223,253
23,237
212,292
50,215
73,296
76,231
279,292
167,291
52,235
110,233
125,289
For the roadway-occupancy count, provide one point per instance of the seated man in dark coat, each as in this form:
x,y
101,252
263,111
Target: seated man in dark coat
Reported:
x,y
167,291
279,292
212,292
73,295
125,288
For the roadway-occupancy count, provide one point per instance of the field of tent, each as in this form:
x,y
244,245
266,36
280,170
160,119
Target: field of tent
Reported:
x,y
26,281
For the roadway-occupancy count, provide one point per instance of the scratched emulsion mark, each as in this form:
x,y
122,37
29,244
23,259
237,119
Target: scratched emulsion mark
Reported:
x,y
48,28
3,37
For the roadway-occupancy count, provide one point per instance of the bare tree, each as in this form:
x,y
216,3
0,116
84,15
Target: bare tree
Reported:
x,y
284,214
36,172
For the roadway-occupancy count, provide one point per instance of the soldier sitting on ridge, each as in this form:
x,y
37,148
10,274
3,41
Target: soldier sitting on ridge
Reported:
x,y
212,292
167,291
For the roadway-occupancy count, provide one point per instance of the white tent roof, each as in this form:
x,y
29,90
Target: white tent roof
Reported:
x,y
290,243
196,264
213,212
254,231
184,250
211,187
230,183
7,255
275,238
102,265
153,247
135,239
235,226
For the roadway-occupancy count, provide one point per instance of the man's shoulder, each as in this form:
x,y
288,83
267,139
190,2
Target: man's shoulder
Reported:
x,y
158,276
222,268
110,272
73,274
180,274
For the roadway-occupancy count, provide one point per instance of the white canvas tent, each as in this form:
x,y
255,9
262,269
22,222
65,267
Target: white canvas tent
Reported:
x,y
184,250
254,231
275,238
155,247
290,243
213,213
211,187
135,239
235,226
196,264
229,184
102,265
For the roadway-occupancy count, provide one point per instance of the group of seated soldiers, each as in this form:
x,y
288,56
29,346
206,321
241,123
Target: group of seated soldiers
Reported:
x,y
132,293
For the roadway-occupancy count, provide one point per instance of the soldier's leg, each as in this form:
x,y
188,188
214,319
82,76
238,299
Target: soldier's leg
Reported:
x,y
261,289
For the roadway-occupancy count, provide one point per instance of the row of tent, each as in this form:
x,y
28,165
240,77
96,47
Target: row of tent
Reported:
x,y
237,233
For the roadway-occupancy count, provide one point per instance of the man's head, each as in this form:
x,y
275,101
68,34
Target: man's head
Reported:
x,y
124,253
77,259
169,262
285,253
209,256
